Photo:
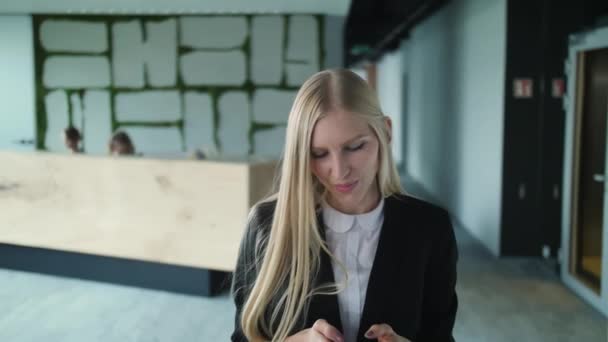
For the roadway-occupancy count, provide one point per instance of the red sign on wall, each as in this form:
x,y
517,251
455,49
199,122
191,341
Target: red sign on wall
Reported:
x,y
523,88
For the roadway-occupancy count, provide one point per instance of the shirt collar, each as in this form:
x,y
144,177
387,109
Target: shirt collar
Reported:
x,y
340,222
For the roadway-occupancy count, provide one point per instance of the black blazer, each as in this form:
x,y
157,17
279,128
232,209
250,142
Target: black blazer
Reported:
x,y
412,281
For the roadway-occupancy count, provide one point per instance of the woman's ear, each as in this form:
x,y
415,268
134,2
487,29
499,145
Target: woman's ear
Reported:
x,y
389,128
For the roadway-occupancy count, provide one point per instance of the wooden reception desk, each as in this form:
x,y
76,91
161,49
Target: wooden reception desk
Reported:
x,y
184,213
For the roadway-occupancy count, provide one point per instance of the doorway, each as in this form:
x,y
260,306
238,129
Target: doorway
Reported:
x,y
589,156
585,205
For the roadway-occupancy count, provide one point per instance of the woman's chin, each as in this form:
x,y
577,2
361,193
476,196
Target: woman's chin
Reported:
x,y
344,201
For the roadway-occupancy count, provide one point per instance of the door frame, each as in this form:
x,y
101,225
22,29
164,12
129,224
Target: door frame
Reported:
x,y
590,40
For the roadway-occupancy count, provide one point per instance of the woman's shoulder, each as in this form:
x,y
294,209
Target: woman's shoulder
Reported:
x,y
420,206
435,219
263,209
261,214
257,230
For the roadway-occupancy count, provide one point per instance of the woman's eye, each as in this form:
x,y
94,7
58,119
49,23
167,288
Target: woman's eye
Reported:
x,y
355,147
318,155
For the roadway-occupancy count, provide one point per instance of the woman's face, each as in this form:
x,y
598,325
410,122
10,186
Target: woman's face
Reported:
x,y
119,149
344,158
71,144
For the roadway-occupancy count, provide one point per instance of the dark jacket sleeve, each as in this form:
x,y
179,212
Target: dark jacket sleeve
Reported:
x,y
440,301
245,271
241,281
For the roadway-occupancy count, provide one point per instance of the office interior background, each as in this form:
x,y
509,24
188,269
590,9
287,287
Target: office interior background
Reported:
x,y
499,115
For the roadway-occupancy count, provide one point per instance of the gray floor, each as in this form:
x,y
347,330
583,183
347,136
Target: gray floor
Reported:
x,y
518,299
500,300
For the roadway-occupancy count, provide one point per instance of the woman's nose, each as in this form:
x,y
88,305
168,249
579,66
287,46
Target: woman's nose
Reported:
x,y
340,168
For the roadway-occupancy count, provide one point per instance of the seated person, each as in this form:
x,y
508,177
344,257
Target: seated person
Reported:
x,y
72,138
120,144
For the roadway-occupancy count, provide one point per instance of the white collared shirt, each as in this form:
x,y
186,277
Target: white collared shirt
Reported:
x,y
353,239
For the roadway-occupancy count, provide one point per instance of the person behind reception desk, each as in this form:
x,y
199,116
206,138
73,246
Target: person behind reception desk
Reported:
x,y
340,253
72,138
121,144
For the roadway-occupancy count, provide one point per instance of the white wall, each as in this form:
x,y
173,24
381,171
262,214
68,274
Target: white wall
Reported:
x,y
334,35
454,66
390,94
16,82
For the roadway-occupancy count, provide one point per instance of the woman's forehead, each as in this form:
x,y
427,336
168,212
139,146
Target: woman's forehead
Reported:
x,y
339,127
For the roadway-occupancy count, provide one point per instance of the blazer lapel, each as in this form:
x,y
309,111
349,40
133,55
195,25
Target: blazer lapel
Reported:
x,y
384,269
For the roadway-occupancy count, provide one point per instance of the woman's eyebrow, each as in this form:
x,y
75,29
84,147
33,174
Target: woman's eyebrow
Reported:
x,y
348,142
354,139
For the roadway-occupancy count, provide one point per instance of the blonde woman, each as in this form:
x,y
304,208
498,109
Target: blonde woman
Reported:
x,y
339,253
121,144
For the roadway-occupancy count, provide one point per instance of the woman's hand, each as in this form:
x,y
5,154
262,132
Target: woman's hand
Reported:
x,y
384,333
321,331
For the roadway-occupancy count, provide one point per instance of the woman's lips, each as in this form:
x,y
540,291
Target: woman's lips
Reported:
x,y
345,188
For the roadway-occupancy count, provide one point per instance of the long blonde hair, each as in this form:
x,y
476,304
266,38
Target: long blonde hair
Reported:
x,y
292,256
